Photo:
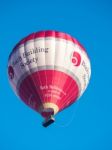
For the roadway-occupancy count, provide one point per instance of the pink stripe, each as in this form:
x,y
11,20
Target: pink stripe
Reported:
x,y
50,33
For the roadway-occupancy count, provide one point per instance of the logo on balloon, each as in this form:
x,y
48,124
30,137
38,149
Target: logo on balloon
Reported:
x,y
11,72
76,59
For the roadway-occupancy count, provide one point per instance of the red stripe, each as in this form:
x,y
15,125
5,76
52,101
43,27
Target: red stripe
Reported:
x,y
48,86
49,33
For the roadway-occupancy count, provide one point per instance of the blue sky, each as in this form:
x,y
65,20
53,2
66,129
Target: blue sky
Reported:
x,y
86,125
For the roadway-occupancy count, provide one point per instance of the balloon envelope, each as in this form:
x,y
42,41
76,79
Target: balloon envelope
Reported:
x,y
49,71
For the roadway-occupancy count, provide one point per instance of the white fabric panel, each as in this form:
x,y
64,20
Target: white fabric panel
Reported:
x,y
39,46
60,53
49,52
50,55
30,57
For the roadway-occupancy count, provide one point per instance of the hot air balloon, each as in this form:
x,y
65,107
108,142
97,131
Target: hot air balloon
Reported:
x,y
49,71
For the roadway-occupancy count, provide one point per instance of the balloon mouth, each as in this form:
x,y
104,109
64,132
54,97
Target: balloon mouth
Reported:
x,y
47,112
48,109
